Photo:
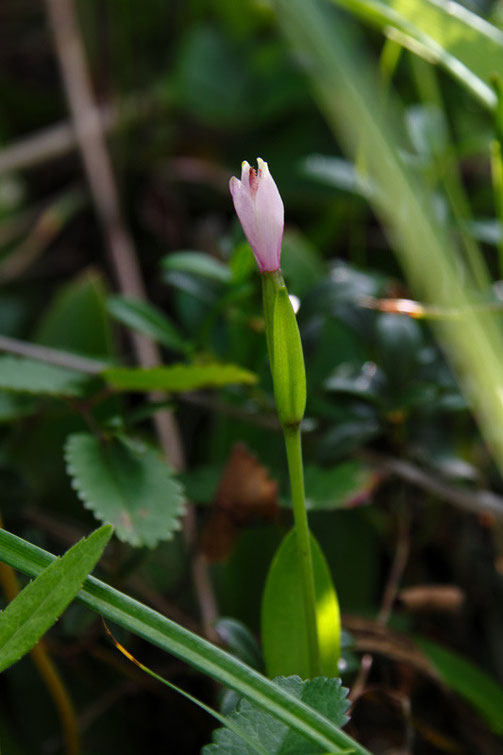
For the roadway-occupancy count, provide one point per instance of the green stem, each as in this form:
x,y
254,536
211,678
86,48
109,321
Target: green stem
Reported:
x,y
295,469
497,178
271,281
199,653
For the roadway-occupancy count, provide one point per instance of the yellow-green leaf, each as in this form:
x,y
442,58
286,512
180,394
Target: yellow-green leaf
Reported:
x,y
284,636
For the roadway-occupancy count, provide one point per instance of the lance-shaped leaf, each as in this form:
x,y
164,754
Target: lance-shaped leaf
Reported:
x,y
29,376
178,377
284,635
127,483
199,653
28,617
288,371
145,318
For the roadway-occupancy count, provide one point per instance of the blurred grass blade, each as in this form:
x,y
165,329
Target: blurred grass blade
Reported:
x,y
226,721
28,617
443,32
349,96
483,692
197,652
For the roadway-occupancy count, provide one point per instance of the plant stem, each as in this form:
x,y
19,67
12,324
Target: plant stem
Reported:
x,y
180,642
497,178
296,472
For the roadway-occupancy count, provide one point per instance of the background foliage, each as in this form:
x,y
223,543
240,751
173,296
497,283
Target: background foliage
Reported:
x,y
405,497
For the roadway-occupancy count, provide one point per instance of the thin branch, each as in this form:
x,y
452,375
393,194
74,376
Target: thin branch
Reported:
x,y
90,138
473,501
47,226
51,356
60,139
391,589
371,637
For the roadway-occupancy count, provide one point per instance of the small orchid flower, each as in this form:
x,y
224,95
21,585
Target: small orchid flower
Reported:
x,y
260,210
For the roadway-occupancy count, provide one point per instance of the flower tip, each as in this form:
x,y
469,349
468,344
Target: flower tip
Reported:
x,y
234,184
262,166
245,171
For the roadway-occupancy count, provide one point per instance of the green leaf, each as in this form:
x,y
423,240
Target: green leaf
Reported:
x,y
288,371
143,317
177,377
398,343
210,77
28,617
339,173
477,687
77,320
29,376
239,640
125,482
197,263
444,32
284,636
13,406
301,263
327,696
345,484
194,650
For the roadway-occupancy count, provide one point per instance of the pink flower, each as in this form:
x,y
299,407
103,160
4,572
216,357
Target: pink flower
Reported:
x,y
260,210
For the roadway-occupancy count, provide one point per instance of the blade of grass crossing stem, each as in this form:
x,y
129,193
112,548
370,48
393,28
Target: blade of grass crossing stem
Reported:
x,y
431,263
223,719
197,652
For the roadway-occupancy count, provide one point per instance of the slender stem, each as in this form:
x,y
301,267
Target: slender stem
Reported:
x,y
199,653
271,281
497,178
296,472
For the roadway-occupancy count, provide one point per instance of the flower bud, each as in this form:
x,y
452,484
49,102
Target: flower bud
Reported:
x,y
259,207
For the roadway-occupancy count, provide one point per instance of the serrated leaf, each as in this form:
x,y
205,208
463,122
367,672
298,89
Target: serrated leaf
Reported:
x,y
284,636
197,263
477,687
147,319
327,696
28,617
178,377
29,376
126,483
189,647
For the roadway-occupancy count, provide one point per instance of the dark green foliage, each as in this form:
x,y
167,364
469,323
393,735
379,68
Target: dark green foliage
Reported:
x,y
126,483
391,444
325,695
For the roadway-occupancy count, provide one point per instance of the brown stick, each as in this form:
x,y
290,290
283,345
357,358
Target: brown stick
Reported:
x,y
390,592
91,141
90,138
